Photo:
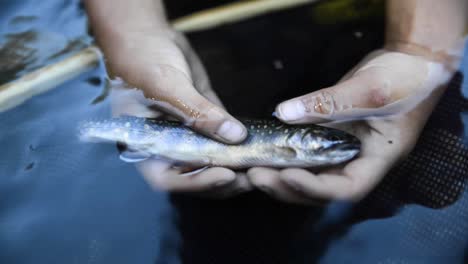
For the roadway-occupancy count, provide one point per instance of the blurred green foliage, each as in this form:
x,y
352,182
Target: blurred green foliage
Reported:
x,y
338,11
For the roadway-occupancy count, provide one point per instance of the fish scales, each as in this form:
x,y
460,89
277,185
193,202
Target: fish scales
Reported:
x,y
269,143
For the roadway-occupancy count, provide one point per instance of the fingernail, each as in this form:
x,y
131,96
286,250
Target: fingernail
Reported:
x,y
291,110
231,131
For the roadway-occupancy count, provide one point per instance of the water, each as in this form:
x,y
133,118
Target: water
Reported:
x,y
65,202
62,201
31,39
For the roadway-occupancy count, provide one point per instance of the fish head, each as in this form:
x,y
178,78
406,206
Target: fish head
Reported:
x,y
324,146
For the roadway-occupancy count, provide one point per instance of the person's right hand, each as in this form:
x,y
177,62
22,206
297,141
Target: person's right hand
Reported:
x,y
170,79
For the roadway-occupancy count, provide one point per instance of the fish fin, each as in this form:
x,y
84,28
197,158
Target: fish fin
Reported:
x,y
129,155
133,156
193,172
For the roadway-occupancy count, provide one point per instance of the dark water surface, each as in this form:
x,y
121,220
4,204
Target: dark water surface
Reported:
x,y
66,202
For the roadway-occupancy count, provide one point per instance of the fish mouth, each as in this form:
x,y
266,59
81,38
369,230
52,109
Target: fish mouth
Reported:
x,y
349,150
350,147
352,143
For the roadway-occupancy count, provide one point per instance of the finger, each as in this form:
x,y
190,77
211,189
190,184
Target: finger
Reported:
x,y
238,186
166,81
388,84
161,176
352,98
173,93
267,180
356,180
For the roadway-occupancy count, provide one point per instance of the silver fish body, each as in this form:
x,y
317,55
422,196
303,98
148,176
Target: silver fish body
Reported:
x,y
269,143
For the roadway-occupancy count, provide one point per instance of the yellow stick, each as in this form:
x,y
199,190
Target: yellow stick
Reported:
x,y
46,78
231,13
49,77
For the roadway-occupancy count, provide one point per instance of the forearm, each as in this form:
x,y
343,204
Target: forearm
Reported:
x,y
431,28
123,27
115,18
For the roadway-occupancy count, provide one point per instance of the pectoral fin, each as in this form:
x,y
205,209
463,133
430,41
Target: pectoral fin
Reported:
x,y
133,157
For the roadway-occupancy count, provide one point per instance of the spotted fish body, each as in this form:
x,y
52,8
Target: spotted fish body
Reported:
x,y
269,143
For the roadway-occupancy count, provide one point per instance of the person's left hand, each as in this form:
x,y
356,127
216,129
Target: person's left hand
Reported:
x,y
215,182
392,94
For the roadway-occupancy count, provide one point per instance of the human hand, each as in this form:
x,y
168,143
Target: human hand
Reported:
x,y
391,94
167,69
159,65
142,48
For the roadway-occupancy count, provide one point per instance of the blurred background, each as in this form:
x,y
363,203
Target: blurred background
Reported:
x,y
66,202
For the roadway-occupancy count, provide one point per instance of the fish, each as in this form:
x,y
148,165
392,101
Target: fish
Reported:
x,y
269,143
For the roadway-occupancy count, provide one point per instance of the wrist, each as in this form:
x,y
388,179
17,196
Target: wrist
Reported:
x,y
432,29
449,57
119,20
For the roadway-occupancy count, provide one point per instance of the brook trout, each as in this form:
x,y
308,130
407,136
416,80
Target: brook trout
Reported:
x,y
269,143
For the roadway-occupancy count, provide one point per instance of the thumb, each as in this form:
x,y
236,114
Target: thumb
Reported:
x,y
160,71
173,93
363,95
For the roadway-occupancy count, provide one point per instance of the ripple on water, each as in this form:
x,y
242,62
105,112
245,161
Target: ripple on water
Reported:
x,y
29,41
